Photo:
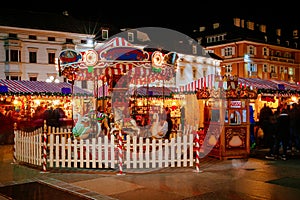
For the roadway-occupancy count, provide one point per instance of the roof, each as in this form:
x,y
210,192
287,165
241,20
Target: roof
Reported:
x,y
39,87
263,85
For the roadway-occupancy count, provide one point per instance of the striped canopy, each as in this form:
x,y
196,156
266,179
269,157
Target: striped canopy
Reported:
x,y
39,87
139,69
210,82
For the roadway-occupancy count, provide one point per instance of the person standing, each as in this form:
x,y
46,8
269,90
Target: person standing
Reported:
x,y
252,125
273,139
264,122
169,123
283,122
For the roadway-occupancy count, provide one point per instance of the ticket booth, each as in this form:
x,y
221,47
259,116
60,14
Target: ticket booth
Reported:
x,y
226,132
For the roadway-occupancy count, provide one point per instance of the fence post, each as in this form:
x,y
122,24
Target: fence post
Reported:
x,y
14,148
45,147
120,154
197,151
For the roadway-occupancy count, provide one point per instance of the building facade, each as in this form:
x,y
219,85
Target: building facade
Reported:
x,y
30,43
253,50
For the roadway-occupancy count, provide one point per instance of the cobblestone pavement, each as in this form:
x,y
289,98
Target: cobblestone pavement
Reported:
x,y
252,178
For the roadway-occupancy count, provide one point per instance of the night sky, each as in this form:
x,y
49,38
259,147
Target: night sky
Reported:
x,y
168,14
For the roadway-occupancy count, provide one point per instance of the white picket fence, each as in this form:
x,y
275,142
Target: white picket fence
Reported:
x,y
59,150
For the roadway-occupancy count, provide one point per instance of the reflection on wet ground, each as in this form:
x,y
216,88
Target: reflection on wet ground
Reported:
x,y
36,191
254,178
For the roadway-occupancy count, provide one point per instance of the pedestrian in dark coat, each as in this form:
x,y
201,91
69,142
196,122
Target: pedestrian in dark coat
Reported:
x,y
283,122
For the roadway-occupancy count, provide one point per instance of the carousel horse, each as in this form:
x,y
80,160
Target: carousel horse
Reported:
x,y
155,125
98,122
127,124
103,120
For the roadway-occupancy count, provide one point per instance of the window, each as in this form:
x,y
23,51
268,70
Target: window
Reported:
x,y
291,71
251,50
51,38
14,55
194,49
16,78
13,35
281,69
130,37
84,84
228,51
265,68
69,41
265,51
252,67
104,34
228,70
295,33
273,69
32,37
33,78
250,25
32,57
194,73
51,58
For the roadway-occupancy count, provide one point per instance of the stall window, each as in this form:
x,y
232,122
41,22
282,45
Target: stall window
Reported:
x,y
235,118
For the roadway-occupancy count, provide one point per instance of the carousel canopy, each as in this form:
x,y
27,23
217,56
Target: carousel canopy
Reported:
x,y
39,88
117,57
153,91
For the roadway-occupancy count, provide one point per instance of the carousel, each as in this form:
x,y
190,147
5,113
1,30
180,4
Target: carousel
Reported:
x,y
117,69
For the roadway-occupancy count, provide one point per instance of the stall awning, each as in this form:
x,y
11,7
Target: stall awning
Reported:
x,y
204,82
40,87
255,83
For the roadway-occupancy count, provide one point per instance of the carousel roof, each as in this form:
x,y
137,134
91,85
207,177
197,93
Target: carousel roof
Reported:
x,y
155,91
39,87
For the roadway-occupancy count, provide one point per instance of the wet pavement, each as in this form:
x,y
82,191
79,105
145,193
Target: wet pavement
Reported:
x,y
234,179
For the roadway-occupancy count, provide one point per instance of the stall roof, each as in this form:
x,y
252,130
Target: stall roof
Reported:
x,y
255,83
39,87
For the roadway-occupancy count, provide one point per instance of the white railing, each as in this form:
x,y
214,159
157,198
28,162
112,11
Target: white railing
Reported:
x,y
103,152
28,147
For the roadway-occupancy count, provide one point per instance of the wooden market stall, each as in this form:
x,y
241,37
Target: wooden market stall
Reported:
x,y
26,101
226,128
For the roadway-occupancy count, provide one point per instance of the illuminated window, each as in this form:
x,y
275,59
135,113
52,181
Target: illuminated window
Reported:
x,y
291,71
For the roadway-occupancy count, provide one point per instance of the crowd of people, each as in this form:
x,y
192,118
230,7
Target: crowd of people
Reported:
x,y
281,130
